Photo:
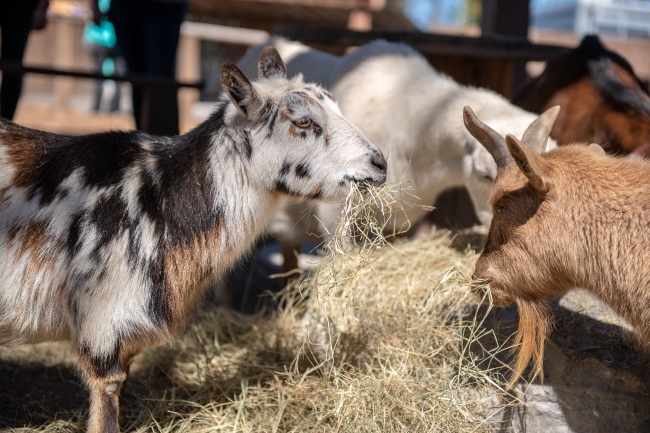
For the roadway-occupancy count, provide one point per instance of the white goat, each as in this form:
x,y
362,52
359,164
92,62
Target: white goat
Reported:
x,y
414,114
111,240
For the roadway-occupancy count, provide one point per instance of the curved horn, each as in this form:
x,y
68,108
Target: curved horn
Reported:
x,y
537,133
488,137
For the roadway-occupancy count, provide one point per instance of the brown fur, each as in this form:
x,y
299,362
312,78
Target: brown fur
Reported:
x,y
105,390
40,248
586,116
602,100
588,230
22,153
188,273
295,132
534,325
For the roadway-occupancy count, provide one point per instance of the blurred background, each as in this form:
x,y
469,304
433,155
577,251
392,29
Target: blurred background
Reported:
x,y
217,31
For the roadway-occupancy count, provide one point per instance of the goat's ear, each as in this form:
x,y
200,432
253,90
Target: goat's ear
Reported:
x,y
271,64
596,148
240,91
527,163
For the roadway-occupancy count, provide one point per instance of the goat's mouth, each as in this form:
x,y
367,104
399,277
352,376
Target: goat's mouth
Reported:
x,y
488,294
481,287
363,183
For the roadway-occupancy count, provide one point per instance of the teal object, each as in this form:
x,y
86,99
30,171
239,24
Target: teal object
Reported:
x,y
108,67
102,34
104,6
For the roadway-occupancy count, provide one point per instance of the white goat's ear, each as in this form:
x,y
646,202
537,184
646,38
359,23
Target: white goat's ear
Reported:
x,y
596,148
527,162
271,64
240,91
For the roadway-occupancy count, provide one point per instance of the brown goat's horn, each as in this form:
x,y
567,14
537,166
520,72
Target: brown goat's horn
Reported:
x,y
537,133
488,137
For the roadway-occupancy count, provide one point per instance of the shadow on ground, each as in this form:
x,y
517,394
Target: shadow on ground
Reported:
x,y
596,380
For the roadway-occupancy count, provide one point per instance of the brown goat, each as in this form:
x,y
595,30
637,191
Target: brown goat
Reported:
x,y
602,100
572,217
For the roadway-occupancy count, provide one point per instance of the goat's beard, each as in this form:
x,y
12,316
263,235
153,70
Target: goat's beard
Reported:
x,y
535,322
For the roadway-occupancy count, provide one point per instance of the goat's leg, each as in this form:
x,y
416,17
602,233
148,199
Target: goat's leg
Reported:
x,y
105,375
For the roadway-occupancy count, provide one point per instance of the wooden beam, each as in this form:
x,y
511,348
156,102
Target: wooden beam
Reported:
x,y
496,46
225,34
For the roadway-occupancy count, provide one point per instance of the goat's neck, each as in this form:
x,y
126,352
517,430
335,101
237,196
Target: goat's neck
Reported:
x,y
616,254
236,202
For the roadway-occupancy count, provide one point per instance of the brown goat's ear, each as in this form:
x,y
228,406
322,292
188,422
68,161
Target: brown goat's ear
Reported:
x,y
240,91
596,148
526,161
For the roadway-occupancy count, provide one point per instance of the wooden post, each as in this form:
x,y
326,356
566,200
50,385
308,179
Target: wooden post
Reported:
x,y
507,17
360,20
360,17
64,59
188,68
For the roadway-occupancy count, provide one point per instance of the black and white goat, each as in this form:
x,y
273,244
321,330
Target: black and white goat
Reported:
x,y
111,240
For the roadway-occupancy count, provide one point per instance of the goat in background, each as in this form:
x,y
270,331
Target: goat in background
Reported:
x,y
602,100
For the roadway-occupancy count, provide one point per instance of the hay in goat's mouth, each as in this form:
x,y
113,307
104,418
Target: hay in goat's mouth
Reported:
x,y
369,218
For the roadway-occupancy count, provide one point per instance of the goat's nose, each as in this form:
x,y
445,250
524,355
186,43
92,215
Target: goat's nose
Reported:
x,y
379,162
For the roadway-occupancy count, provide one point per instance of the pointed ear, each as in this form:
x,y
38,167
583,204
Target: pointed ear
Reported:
x,y
240,91
527,163
271,64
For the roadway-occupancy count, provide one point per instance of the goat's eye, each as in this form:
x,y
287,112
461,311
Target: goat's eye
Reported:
x,y
498,208
303,123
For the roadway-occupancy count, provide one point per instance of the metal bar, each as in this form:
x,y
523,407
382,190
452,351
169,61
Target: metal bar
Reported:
x,y
135,79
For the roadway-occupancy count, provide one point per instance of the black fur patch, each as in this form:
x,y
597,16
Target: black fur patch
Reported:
x,y
44,160
609,85
281,186
109,218
158,307
247,145
103,366
286,167
272,123
302,170
74,232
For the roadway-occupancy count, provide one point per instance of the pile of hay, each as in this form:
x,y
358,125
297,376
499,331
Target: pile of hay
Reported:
x,y
389,352
377,344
